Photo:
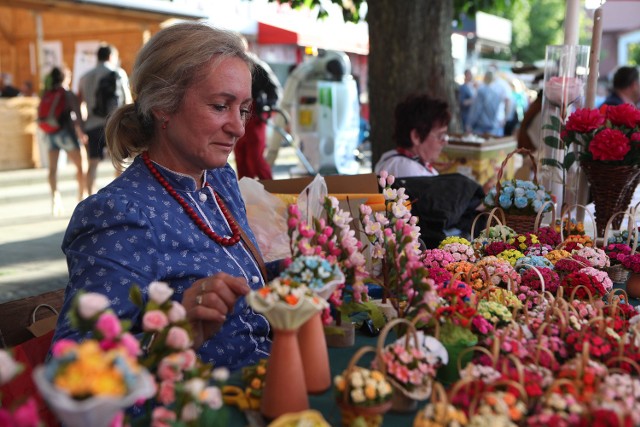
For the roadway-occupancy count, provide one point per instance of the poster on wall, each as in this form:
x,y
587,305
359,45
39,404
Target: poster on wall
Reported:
x,y
85,59
51,56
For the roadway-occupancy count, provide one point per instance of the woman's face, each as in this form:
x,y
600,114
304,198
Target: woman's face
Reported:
x,y
203,131
429,149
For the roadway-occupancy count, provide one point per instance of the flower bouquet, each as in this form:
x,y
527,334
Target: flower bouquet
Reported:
x,y
91,382
362,393
609,153
521,201
24,414
410,364
632,263
616,253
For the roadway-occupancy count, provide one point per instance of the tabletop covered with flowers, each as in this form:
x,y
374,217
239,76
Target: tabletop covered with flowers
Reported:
x,y
513,329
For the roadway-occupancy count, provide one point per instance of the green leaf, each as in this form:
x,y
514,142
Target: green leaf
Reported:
x,y
135,295
334,330
569,160
551,162
552,141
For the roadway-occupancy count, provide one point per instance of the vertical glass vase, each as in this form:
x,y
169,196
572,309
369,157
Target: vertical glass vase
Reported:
x,y
565,86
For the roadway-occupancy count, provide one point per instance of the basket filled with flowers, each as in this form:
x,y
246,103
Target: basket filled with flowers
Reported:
x,y
609,155
362,393
520,200
632,264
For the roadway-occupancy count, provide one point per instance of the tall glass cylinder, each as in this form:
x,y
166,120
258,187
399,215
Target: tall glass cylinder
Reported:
x,y
565,86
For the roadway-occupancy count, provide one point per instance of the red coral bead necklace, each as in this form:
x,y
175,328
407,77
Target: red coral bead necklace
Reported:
x,y
224,241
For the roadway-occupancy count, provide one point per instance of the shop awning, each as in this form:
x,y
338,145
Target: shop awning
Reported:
x,y
347,37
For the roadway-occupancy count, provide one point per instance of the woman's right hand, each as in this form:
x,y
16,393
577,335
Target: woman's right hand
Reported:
x,y
208,302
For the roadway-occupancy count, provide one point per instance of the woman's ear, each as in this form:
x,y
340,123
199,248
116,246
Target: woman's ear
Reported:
x,y
415,138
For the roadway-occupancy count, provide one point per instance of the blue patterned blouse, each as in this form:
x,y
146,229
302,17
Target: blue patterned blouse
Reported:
x,y
132,232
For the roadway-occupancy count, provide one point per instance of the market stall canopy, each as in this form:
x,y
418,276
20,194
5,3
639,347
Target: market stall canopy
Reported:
x,y
130,10
345,37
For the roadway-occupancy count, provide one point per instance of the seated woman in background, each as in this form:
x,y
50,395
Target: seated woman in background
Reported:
x,y
444,204
175,214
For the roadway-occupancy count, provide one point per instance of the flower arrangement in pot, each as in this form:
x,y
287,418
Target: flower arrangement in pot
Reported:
x,y
632,263
608,148
616,253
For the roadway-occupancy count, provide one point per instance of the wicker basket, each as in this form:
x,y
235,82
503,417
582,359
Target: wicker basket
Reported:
x,y
612,188
520,223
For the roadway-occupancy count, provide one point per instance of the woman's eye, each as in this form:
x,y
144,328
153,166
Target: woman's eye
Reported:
x,y
245,113
219,107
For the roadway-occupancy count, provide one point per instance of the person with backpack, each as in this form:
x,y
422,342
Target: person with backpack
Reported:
x,y
249,150
60,119
103,89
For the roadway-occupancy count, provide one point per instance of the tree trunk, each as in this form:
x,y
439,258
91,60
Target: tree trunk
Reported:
x,y
409,52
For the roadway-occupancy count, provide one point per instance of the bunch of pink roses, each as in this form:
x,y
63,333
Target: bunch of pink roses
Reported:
x,y
25,414
632,263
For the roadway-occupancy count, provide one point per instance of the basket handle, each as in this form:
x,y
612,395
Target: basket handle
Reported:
x,y
536,224
628,214
492,215
567,211
350,368
510,383
383,337
534,168
537,270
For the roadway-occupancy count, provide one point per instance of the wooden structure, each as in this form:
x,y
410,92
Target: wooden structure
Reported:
x,y
26,24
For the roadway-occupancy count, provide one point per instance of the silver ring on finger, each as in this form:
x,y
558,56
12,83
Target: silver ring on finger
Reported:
x,y
199,299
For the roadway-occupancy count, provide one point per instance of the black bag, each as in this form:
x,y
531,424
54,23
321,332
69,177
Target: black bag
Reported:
x,y
442,202
107,94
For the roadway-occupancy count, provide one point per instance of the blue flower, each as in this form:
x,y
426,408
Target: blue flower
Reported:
x,y
537,204
505,201
489,199
521,202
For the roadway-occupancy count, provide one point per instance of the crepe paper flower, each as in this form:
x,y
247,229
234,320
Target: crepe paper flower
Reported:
x,y
454,239
588,375
597,257
632,263
440,276
549,236
485,373
494,312
500,271
601,348
556,409
437,258
532,261
531,279
557,254
463,267
459,251
572,281
538,249
410,367
317,273
440,414
511,255
609,135
570,227
503,297
500,232
496,248
253,377
600,276
523,241
479,243
366,387
519,197
616,252
570,264
502,403
621,389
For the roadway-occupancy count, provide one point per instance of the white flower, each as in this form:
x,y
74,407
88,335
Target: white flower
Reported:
x,y
176,312
8,367
220,374
195,386
357,395
356,380
189,412
92,303
159,292
212,397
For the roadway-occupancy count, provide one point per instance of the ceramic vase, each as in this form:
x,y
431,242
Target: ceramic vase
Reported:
x,y
633,285
285,390
315,356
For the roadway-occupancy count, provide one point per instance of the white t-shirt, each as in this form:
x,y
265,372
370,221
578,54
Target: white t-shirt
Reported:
x,y
401,166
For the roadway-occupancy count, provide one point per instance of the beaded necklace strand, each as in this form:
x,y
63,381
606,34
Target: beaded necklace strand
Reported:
x,y
224,241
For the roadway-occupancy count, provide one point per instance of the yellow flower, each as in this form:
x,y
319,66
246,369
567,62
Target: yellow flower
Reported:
x,y
377,375
370,392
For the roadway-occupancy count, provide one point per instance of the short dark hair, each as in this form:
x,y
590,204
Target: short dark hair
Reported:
x,y
625,77
104,53
419,112
57,76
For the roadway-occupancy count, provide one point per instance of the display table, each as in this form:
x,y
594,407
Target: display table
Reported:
x,y
326,402
477,159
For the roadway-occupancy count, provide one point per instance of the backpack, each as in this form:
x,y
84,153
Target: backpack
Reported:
x,y
107,94
50,110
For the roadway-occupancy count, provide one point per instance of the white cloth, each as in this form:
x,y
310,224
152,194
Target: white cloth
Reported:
x,y
401,166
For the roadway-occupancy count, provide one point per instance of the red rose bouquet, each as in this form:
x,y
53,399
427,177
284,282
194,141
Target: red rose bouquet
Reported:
x,y
632,263
610,134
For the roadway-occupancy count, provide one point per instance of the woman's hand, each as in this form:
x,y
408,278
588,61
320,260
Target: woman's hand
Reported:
x,y
208,302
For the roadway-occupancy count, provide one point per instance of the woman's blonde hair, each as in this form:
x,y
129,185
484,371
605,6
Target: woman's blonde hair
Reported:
x,y
171,61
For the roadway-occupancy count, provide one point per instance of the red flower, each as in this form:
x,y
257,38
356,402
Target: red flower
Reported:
x,y
623,115
584,120
609,144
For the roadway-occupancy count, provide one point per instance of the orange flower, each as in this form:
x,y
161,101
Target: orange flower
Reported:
x,y
291,300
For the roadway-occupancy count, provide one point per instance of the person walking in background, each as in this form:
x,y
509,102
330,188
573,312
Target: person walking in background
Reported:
x,y
488,112
6,89
102,89
466,94
266,90
60,107
626,87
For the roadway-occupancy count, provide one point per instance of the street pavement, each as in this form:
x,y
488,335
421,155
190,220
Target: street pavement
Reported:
x,y
31,261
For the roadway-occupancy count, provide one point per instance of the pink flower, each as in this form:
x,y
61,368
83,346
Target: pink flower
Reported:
x,y
131,344
167,392
178,338
60,347
212,397
623,115
609,144
8,367
162,417
176,312
26,415
159,292
90,304
189,359
109,325
584,120
563,91
154,320
168,370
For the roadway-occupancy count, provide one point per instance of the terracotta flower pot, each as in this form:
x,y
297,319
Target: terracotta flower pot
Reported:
x,y
633,285
315,356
